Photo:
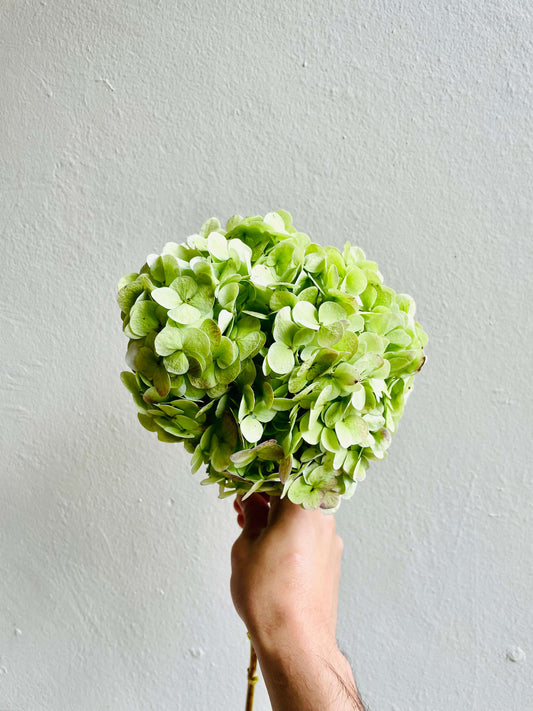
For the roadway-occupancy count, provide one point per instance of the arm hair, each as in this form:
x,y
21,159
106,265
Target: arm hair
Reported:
x,y
349,691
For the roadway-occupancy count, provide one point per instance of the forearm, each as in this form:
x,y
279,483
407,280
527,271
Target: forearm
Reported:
x,y
306,675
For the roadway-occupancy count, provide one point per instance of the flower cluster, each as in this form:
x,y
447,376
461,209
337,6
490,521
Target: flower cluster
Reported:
x,y
282,365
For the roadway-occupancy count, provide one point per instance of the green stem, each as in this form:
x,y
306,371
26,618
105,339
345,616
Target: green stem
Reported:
x,y
252,677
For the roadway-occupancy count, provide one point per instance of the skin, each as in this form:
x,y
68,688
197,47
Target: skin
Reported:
x,y
286,566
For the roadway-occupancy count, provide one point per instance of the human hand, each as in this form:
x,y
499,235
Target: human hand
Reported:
x,y
285,570
286,567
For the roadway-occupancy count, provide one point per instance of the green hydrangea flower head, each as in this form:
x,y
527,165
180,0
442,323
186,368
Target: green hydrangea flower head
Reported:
x,y
282,365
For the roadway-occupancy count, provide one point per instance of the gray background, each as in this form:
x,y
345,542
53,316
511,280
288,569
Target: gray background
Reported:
x,y
404,127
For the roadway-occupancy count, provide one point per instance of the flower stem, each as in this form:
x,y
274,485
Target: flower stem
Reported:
x,y
252,677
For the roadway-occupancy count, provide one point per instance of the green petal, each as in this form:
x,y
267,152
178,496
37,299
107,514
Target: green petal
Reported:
x,y
226,352
225,376
255,487
358,397
304,313
382,323
346,374
332,277
220,457
373,365
263,413
210,225
249,398
345,436
244,457
217,245
204,379
368,297
310,433
330,311
300,493
269,451
404,362
197,364
204,298
242,250
130,381
326,394
128,295
151,396
329,440
308,294
251,429
275,220
157,270
262,276
282,404
185,314
285,468
161,381
281,298
340,456
233,221
227,294
399,337
280,358
355,281
212,331
348,344
357,322
146,362
171,268
302,337
251,344
185,286
320,477
165,296
147,422
168,340
143,318
314,262
328,336
129,333
353,430
334,412
169,410
284,328
126,279
176,363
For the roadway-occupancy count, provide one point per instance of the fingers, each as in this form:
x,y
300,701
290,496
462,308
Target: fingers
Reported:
x,y
237,501
252,514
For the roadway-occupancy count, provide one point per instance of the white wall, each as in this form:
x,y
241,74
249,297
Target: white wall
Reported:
x,y
402,126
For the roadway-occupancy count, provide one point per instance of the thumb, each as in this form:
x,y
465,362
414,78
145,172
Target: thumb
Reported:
x,y
255,512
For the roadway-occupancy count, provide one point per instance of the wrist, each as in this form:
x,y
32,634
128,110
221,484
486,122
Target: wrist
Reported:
x,y
296,662
290,643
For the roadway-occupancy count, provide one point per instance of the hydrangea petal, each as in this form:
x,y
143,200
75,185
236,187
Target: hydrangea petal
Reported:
x,y
280,358
330,311
185,314
251,429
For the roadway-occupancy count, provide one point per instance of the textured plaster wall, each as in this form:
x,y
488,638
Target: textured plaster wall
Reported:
x,y
402,126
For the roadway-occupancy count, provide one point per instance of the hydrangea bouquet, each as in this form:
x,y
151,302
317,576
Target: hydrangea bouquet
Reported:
x,y
282,365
